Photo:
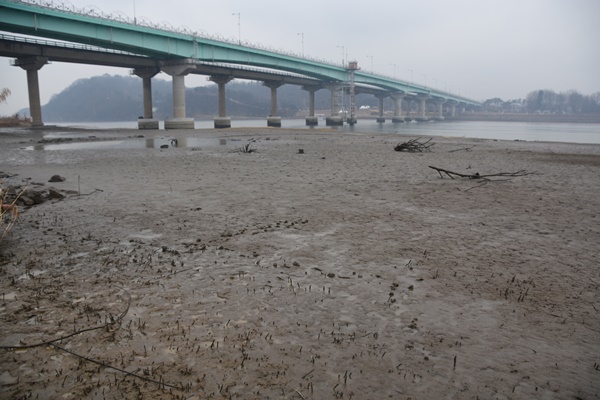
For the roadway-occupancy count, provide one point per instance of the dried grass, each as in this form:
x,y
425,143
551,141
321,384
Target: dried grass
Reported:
x,y
9,212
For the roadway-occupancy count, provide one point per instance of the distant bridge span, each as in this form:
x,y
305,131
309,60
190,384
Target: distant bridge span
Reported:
x,y
150,49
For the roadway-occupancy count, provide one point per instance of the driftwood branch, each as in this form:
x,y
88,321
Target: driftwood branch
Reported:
x,y
102,364
476,175
414,146
113,321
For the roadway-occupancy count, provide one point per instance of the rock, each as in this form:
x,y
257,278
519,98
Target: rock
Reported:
x,y
34,195
57,178
13,190
26,201
55,194
7,379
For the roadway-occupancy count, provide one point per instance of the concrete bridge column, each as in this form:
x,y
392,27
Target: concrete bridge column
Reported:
x,y
222,121
440,110
381,118
147,122
32,65
408,118
273,119
335,119
453,109
397,108
421,117
179,120
311,120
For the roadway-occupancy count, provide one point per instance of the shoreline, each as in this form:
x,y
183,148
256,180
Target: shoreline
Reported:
x,y
533,118
475,116
345,269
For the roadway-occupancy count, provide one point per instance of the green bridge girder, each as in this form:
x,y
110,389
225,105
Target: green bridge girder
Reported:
x,y
38,21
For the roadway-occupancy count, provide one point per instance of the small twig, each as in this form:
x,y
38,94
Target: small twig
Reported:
x,y
308,373
87,194
476,186
300,394
463,149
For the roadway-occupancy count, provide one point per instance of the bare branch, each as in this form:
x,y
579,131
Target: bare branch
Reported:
x,y
414,146
476,175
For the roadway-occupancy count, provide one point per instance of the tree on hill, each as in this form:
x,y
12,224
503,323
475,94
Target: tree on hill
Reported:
x,y
570,102
4,93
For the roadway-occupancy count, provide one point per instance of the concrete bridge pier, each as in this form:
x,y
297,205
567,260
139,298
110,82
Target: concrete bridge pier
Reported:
x,y
32,65
398,118
381,118
273,119
147,122
179,120
409,100
440,110
422,107
452,109
311,120
222,121
335,119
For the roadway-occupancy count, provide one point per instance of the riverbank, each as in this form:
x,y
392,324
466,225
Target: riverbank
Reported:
x,y
16,121
320,265
520,117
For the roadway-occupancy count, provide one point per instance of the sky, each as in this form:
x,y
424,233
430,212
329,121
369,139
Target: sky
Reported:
x,y
480,49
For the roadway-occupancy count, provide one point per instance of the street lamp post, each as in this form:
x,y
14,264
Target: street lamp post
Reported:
x,y
343,52
239,27
301,34
371,57
394,65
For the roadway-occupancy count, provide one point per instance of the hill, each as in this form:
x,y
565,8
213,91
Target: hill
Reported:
x,y
119,98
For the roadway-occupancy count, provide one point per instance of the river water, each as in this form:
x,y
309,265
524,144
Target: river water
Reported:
x,y
529,131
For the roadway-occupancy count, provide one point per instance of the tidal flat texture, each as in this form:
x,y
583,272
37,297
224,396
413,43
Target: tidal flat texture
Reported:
x,y
233,265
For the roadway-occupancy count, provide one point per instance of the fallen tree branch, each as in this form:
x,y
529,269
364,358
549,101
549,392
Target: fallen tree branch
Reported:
x,y
51,342
160,383
103,364
476,175
414,146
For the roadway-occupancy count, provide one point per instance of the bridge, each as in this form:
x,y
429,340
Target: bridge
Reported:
x,y
77,36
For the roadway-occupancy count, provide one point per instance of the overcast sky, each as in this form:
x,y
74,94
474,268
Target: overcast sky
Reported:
x,y
477,48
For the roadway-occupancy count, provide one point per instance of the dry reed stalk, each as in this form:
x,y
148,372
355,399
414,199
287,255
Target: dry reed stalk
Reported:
x,y
9,212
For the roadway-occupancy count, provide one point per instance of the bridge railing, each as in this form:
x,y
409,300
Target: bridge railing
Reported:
x,y
92,11
75,46
66,45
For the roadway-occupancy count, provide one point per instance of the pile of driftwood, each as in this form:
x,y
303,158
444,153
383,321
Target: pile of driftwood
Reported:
x,y
414,146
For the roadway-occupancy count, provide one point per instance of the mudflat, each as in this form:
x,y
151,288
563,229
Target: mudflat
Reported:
x,y
320,265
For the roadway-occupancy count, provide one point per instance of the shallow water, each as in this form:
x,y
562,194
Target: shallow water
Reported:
x,y
530,131
131,143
